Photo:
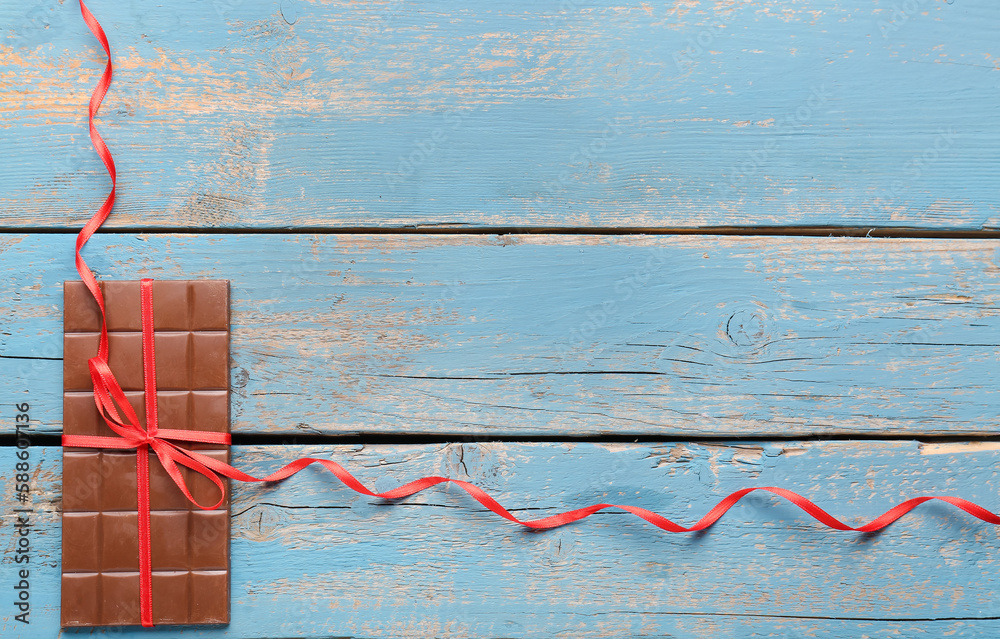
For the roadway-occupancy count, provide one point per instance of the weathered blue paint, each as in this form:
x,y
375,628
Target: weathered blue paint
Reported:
x,y
237,114
560,335
312,559
232,114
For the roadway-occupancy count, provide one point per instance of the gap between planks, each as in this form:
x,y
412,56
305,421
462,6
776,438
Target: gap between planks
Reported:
x,y
929,444
876,232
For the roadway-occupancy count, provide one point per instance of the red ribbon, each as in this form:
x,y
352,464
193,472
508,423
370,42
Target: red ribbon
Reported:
x,y
109,398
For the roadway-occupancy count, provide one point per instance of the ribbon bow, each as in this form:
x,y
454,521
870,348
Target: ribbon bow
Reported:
x,y
109,396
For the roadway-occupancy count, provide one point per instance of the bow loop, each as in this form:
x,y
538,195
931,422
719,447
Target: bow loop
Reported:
x,y
171,455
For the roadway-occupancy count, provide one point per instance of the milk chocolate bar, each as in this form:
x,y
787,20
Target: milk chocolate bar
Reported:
x,y
190,546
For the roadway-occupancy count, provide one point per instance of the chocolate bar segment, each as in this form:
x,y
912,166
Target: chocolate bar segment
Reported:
x,y
190,546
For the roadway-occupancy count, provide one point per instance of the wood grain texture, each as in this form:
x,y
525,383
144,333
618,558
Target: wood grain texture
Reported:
x,y
238,114
312,559
348,116
560,335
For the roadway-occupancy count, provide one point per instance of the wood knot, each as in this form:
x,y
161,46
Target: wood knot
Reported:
x,y
747,327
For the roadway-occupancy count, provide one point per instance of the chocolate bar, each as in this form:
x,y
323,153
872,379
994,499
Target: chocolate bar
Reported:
x,y
190,546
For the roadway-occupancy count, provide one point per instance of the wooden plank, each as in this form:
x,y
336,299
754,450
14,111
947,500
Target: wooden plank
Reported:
x,y
560,335
312,559
336,114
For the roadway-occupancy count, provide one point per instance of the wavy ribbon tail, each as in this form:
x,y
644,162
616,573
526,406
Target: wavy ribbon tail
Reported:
x,y
568,517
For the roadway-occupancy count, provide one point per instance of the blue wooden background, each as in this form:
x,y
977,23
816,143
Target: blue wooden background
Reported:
x,y
569,250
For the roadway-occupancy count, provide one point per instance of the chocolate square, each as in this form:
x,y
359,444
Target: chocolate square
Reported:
x,y
190,547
